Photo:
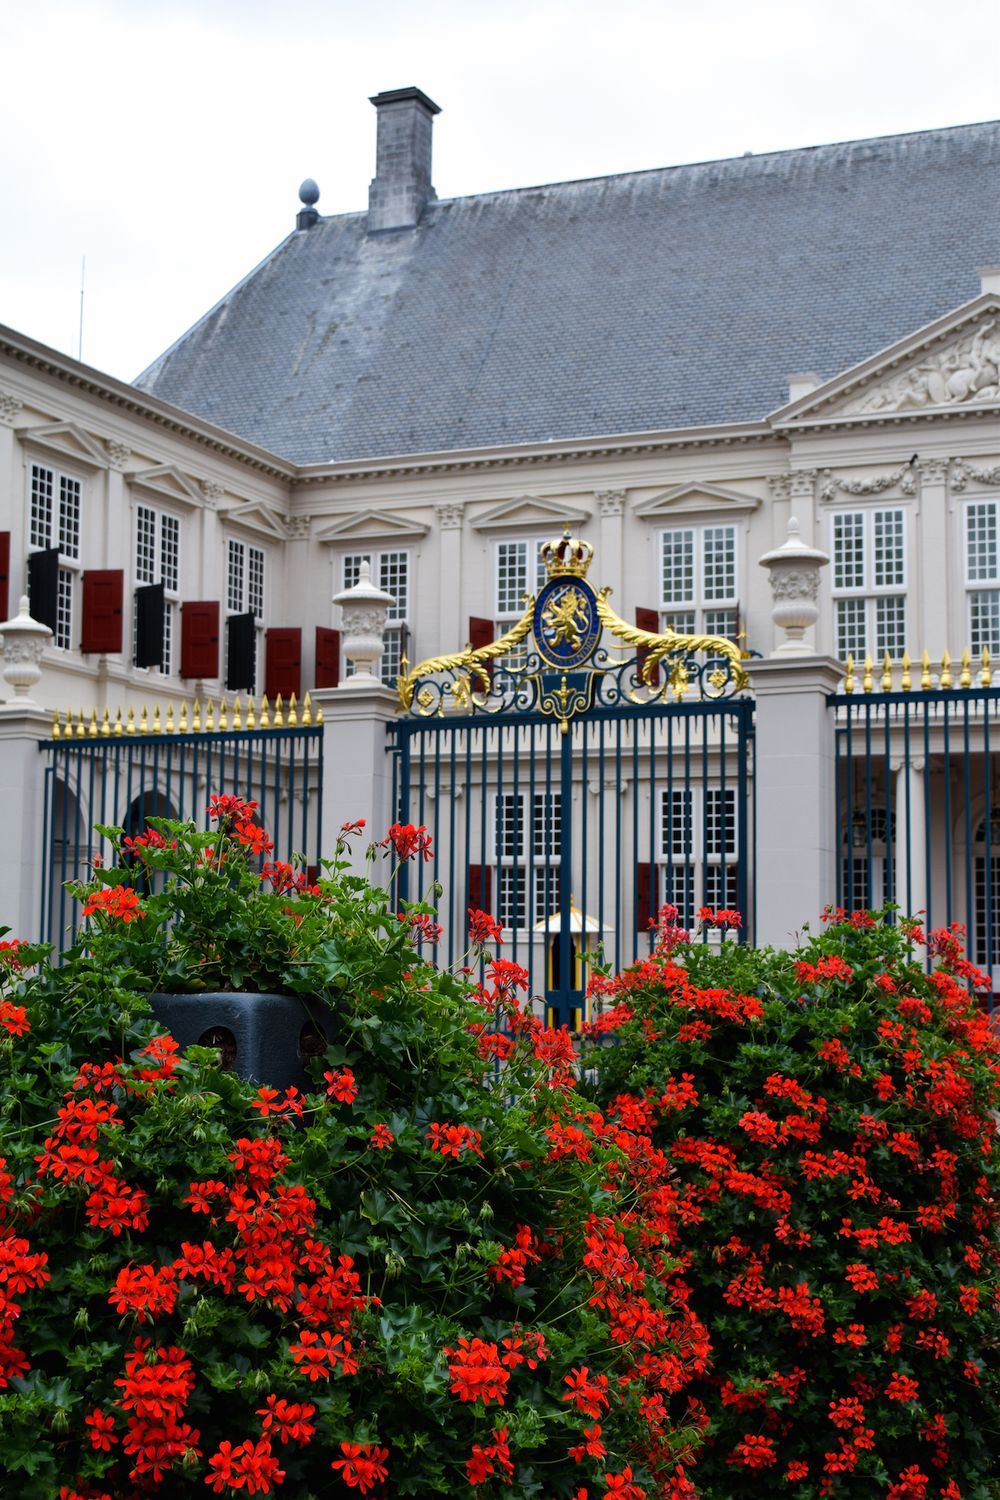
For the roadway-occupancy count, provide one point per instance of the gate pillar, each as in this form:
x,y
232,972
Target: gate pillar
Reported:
x,y
22,781
357,768
796,862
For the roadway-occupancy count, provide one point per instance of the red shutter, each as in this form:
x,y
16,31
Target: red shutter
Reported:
x,y
647,619
481,888
644,877
283,663
103,596
200,638
4,575
327,657
481,633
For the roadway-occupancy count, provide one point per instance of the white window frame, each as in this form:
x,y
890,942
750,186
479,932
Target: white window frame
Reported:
x,y
164,521
50,533
531,857
699,613
868,593
983,586
683,864
385,568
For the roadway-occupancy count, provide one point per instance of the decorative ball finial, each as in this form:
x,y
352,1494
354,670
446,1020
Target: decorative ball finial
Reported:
x,y
308,214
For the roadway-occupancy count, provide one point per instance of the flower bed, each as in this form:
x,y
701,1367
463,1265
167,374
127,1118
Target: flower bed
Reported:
x,y
422,1275
818,1145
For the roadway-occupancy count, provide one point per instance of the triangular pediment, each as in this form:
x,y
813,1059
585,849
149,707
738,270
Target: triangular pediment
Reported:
x,y
66,440
256,516
694,499
528,511
169,482
950,366
372,526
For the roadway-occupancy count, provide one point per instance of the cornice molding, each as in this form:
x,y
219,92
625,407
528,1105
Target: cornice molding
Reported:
x,y
528,510
370,526
694,499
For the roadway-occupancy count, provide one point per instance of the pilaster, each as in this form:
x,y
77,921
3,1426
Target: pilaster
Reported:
x,y
928,603
452,630
611,513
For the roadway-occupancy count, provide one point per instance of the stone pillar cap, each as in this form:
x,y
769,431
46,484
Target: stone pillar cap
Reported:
x,y
23,624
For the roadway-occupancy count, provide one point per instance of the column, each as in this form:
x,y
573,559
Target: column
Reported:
x,y
928,602
910,838
11,491
611,551
452,627
357,764
796,858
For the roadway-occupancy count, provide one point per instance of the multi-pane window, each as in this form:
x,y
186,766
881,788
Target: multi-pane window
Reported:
x,y
867,873
245,576
986,948
519,570
527,846
698,577
390,571
55,522
158,560
698,857
869,583
982,576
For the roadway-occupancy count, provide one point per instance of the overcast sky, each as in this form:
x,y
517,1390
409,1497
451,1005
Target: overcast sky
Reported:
x,y
164,140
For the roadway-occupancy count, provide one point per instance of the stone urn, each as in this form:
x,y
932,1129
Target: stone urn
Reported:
x,y
24,640
365,611
794,570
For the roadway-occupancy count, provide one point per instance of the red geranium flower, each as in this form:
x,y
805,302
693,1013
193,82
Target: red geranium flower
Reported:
x,y
363,1465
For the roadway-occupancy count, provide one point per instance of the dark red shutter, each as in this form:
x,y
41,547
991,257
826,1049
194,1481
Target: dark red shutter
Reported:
x,y
327,657
283,662
103,597
481,888
647,619
481,633
644,876
4,575
200,638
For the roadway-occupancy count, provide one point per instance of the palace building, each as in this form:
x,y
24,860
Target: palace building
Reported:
x,y
671,364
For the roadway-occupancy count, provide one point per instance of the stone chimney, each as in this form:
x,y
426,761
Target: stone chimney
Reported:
x,y
402,182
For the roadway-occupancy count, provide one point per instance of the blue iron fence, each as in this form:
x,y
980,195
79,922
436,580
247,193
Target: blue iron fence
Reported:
x,y
573,834
918,807
123,779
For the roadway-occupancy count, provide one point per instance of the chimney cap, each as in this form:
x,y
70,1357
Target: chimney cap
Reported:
x,y
399,96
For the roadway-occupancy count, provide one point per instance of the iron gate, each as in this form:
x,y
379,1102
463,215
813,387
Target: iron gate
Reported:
x,y
120,778
570,794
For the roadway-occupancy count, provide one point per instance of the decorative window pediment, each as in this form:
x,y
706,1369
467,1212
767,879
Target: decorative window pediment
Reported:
x,y
258,517
66,440
695,500
951,365
370,526
168,482
527,510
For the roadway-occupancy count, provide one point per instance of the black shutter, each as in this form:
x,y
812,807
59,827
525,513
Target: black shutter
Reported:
x,y
43,586
149,604
241,653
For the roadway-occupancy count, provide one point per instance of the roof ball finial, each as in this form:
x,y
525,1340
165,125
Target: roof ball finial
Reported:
x,y
308,215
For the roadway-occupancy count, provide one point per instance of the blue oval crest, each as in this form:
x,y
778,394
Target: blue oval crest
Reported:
x,y
565,621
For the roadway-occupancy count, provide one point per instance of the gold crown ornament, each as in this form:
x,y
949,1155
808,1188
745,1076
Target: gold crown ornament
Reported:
x,y
567,556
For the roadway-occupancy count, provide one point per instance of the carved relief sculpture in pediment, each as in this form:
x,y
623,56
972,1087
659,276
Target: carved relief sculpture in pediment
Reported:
x,y
965,372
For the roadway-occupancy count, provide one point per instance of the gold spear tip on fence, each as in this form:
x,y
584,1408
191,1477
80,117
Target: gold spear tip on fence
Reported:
x,y
196,716
965,676
925,671
986,674
279,717
183,722
223,713
237,713
251,714
849,674
106,724
868,679
265,714
307,714
209,717
944,680
170,718
905,680
293,713
887,673
117,731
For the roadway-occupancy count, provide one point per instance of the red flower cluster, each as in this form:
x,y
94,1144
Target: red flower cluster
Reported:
x,y
362,1466
119,902
453,1140
407,839
483,928
236,817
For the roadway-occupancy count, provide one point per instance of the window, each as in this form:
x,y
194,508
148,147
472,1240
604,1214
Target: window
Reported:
x,y
527,844
867,874
157,560
698,580
698,857
982,567
391,572
986,947
55,522
245,584
869,583
518,570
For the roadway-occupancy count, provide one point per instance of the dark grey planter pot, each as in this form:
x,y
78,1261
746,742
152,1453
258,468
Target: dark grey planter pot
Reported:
x,y
269,1038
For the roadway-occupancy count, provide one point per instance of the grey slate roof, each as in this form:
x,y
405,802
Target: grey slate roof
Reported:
x,y
659,299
